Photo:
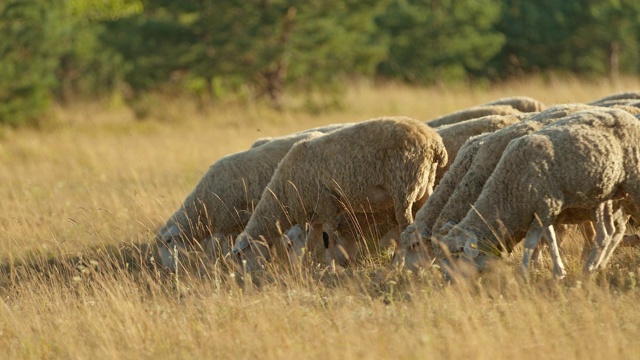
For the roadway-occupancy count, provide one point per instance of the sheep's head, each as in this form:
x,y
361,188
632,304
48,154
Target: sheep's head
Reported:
x,y
250,253
414,249
460,248
170,247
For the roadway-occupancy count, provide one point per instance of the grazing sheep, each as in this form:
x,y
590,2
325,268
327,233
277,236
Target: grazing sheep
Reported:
x,y
455,135
367,167
472,113
323,129
521,103
618,102
463,183
503,106
572,165
487,157
415,238
221,203
629,95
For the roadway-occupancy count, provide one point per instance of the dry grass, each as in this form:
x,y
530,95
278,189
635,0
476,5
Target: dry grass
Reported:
x,y
80,203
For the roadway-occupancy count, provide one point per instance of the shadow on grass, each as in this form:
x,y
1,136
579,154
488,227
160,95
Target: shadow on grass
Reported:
x,y
116,259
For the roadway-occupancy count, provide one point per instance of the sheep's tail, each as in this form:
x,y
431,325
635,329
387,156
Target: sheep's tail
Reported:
x,y
441,155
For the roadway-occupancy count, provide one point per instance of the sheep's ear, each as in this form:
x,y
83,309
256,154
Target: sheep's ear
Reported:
x,y
471,246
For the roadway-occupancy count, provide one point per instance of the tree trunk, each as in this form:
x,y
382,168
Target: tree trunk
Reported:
x,y
614,62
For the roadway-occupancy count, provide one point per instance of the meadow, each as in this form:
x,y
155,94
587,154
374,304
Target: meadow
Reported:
x,y
82,197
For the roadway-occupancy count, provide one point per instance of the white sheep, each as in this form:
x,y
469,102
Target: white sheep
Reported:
x,y
450,200
353,227
572,165
472,113
469,187
502,106
627,95
322,129
221,203
521,103
462,185
367,167
455,135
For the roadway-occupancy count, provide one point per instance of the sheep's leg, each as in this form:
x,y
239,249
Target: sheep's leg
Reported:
x,y
620,222
558,267
561,232
605,228
531,241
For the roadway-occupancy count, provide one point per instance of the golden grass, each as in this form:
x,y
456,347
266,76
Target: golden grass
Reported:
x,y
81,201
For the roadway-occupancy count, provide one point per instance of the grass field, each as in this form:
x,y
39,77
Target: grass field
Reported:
x,y
80,201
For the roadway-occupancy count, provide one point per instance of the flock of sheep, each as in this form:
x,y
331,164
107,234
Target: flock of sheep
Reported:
x,y
465,187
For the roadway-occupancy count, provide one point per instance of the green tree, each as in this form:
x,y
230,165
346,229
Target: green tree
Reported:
x,y
264,45
29,58
585,37
52,48
86,66
433,40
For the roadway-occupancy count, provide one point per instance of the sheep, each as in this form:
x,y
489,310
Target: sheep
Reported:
x,y
351,227
487,157
629,95
463,183
322,129
472,113
572,165
455,135
367,167
521,103
220,204
633,109
502,106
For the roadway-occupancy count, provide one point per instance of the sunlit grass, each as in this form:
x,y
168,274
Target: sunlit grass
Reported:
x,y
82,199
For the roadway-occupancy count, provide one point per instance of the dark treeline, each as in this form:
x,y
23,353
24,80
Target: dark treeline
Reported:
x,y
59,50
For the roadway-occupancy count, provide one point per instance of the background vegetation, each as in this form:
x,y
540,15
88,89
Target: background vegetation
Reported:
x,y
67,50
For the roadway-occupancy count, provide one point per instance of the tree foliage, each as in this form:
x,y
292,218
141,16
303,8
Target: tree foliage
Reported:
x,y
65,49
433,40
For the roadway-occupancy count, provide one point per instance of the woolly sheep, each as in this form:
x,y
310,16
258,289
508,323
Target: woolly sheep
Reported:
x,y
521,103
455,135
322,129
367,167
574,164
629,95
350,228
469,187
463,183
472,113
618,102
221,202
